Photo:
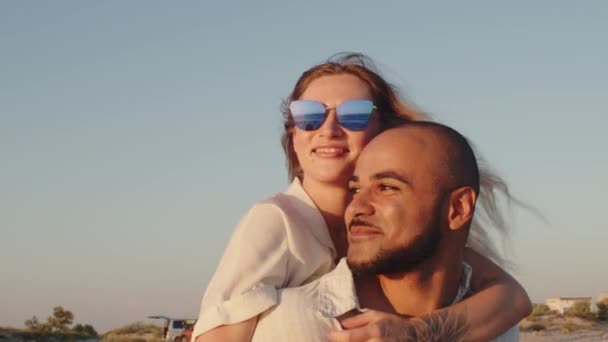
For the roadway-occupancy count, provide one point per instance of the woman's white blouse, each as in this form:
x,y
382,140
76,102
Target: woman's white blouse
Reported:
x,y
281,242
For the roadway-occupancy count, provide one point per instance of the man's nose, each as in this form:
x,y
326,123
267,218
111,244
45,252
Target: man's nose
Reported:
x,y
360,205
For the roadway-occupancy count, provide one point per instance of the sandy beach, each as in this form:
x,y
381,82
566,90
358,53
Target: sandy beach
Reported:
x,y
595,335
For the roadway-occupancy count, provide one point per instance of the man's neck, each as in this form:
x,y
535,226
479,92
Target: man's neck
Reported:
x,y
429,287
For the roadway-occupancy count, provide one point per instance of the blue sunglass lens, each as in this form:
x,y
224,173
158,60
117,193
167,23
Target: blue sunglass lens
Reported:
x,y
307,115
354,114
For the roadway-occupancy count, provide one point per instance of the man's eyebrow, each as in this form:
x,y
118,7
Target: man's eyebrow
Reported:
x,y
392,175
354,179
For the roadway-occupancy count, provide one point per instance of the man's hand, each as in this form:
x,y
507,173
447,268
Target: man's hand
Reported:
x,y
379,326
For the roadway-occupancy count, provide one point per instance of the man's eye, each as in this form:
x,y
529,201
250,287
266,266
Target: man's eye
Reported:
x,y
353,190
384,187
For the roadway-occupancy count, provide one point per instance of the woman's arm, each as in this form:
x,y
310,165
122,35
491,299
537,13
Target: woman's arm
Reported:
x,y
499,304
238,332
499,301
253,267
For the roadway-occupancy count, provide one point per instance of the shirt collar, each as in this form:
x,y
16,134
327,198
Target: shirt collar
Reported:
x,y
464,288
310,214
337,294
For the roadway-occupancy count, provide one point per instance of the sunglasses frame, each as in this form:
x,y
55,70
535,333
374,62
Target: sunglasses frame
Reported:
x,y
339,117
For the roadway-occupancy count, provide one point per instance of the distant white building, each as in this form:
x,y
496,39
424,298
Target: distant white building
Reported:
x,y
562,304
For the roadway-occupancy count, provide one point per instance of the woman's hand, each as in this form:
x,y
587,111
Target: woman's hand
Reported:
x,y
379,326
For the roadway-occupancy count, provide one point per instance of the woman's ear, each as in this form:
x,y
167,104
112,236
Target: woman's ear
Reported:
x,y
462,205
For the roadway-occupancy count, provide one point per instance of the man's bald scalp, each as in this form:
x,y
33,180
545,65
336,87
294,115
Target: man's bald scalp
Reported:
x,y
455,153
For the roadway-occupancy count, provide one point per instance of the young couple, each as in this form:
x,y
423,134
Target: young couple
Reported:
x,y
368,242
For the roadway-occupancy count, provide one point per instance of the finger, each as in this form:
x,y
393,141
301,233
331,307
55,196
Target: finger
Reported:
x,y
355,335
339,336
360,320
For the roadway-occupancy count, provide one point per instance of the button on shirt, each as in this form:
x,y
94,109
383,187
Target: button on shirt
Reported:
x,y
309,313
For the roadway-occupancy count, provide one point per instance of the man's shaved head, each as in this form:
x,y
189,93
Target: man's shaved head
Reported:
x,y
453,152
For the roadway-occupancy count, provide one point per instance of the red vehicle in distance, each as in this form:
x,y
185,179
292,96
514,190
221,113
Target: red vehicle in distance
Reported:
x,y
174,328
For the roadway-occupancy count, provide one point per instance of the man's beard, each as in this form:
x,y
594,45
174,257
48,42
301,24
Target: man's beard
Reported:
x,y
403,258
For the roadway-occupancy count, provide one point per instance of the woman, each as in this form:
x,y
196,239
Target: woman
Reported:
x,y
295,237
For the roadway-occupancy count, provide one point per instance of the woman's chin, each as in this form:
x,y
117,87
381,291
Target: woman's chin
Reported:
x,y
333,178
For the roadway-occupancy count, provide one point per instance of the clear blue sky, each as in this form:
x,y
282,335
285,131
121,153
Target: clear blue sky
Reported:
x,y
134,135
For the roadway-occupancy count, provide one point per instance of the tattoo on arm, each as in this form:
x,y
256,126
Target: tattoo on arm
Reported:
x,y
438,326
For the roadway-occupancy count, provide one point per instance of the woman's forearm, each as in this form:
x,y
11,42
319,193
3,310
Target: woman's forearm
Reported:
x,y
499,302
492,311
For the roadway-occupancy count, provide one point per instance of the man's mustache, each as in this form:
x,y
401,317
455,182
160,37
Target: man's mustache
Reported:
x,y
361,223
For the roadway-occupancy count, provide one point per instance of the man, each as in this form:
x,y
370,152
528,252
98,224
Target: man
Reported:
x,y
414,193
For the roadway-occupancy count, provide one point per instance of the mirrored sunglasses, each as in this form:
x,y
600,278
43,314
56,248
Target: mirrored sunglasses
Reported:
x,y
353,115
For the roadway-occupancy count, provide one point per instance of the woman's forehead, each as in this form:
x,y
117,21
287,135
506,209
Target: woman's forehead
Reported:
x,y
334,89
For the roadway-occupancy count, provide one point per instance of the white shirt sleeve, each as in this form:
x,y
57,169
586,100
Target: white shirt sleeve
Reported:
x,y
253,267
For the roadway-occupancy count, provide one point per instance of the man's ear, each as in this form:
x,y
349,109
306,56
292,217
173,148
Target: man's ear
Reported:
x,y
462,206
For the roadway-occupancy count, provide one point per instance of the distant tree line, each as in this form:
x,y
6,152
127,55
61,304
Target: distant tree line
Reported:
x,y
580,309
58,325
541,316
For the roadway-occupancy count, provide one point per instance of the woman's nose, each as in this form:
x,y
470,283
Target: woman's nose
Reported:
x,y
331,126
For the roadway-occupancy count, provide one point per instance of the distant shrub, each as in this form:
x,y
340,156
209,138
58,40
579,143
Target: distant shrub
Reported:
x,y
541,310
580,309
130,338
136,332
138,328
86,330
570,327
602,310
534,327
28,335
